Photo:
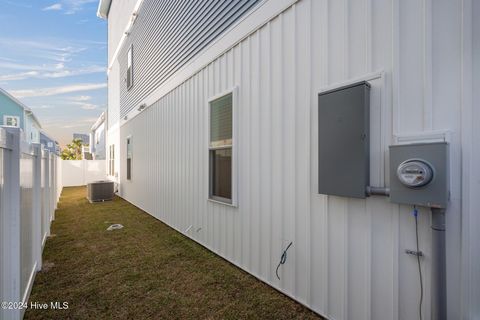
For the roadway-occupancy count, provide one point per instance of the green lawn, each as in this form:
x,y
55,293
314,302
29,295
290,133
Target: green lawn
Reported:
x,y
144,271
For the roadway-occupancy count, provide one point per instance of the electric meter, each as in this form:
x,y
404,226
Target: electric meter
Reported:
x,y
419,174
415,173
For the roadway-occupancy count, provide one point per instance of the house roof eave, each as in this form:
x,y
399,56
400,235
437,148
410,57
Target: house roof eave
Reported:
x,y
103,8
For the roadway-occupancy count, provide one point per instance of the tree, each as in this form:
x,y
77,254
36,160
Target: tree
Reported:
x,y
73,151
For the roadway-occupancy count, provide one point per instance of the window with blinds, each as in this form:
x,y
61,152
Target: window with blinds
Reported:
x,y
129,158
221,148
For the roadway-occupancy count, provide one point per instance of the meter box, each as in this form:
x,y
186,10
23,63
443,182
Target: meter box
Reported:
x,y
343,140
419,174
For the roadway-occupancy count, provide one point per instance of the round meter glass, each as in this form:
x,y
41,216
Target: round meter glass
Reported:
x,y
415,173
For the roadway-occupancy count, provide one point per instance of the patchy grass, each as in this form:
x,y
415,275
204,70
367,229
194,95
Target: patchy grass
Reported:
x,y
144,271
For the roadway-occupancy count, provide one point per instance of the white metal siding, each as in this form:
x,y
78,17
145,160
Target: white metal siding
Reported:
x,y
470,298
113,114
347,260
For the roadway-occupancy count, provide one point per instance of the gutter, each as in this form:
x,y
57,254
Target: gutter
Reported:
x,y
100,120
103,9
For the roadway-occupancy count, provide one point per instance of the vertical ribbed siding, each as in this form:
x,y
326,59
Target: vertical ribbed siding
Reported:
x,y
166,35
348,257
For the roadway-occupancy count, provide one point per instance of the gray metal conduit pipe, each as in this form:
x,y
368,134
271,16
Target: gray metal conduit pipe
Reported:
x,y
378,191
439,263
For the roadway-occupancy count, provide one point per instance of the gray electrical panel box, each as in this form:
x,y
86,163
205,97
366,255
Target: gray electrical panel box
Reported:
x,y
343,141
419,174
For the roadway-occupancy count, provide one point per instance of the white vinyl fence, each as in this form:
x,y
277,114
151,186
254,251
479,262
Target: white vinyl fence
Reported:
x,y
29,191
82,172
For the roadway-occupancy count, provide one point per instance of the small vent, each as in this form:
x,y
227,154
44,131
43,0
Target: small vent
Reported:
x,y
100,191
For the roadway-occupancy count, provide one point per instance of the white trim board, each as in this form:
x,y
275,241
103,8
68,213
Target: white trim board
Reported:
x,y
423,137
234,92
125,34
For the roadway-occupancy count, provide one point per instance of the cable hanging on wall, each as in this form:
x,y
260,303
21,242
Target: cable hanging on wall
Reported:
x,y
419,253
283,259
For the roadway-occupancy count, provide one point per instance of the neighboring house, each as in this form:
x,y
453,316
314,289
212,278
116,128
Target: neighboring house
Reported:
x,y
14,113
85,138
49,143
97,138
86,154
213,128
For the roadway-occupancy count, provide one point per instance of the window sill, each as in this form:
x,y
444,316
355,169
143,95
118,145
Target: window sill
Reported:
x,y
233,205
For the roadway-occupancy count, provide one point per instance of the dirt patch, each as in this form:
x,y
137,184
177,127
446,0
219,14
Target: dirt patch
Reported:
x,y
47,266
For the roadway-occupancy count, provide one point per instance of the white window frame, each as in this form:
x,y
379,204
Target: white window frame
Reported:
x,y
111,162
234,201
130,67
5,117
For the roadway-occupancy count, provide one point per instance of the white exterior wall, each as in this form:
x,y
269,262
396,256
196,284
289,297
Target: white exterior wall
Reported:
x,y
470,167
112,135
32,133
347,260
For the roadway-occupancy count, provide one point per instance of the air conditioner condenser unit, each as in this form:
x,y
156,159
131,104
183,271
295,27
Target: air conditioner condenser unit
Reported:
x,y
100,191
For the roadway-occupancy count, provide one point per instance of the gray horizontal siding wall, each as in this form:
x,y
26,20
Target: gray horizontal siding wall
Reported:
x,y
166,35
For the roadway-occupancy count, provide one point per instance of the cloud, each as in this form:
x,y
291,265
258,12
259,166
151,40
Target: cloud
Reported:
x,y
57,71
43,107
7,59
69,6
88,106
77,123
85,105
81,98
52,91
18,76
20,66
58,50
53,7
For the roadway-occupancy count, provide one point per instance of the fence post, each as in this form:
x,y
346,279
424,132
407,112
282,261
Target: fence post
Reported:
x,y
54,191
84,172
52,187
47,192
10,225
37,205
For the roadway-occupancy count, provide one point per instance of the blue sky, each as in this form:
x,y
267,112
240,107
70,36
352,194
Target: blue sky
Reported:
x,y
53,57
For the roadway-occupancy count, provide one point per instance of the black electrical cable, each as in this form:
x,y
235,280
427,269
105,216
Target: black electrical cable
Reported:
x,y
283,259
415,214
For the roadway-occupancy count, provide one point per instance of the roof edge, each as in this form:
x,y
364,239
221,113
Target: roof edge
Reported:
x,y
103,8
21,104
98,122
42,131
